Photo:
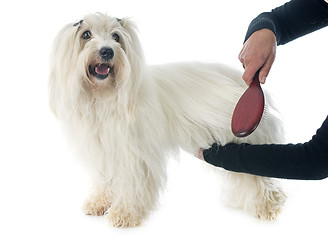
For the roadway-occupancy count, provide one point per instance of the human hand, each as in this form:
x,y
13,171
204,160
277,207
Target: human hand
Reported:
x,y
259,51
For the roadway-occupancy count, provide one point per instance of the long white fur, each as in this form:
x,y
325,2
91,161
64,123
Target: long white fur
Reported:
x,y
125,127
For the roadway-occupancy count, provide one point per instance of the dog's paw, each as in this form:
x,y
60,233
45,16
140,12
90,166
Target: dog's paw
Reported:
x,y
97,204
266,214
271,206
121,219
94,208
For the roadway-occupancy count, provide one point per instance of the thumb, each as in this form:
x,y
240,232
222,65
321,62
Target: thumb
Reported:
x,y
264,72
250,72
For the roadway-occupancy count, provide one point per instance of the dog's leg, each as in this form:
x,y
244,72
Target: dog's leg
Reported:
x,y
137,189
259,196
99,199
270,200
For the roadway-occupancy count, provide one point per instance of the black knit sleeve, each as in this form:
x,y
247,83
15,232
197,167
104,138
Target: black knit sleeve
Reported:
x,y
292,20
308,161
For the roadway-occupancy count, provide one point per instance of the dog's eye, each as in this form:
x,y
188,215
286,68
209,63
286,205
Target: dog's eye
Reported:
x,y
86,35
116,37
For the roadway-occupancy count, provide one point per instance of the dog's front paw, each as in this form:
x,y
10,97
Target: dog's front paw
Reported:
x,y
122,219
95,208
97,204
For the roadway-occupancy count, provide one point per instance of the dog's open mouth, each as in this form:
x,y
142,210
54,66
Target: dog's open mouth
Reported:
x,y
101,71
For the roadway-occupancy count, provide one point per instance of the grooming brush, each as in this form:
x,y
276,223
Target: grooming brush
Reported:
x,y
249,110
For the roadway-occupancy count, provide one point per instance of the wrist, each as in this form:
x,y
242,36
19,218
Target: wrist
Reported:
x,y
263,21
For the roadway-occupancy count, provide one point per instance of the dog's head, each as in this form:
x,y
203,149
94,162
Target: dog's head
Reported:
x,y
95,57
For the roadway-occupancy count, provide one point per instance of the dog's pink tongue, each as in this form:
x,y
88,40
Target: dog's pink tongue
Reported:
x,y
103,69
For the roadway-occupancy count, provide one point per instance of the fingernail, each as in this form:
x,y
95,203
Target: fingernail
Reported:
x,y
263,79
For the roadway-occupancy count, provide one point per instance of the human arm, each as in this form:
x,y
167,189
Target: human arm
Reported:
x,y
307,161
280,26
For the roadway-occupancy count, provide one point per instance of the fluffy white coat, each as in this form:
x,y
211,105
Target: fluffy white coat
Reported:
x,y
125,126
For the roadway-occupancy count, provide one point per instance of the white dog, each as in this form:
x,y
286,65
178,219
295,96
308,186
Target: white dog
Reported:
x,y
126,118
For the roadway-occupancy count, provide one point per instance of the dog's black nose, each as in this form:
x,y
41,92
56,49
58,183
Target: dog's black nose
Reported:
x,y
106,53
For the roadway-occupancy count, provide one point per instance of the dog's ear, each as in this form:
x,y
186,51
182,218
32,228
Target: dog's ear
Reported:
x,y
78,24
127,23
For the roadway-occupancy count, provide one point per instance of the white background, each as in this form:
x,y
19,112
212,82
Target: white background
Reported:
x,y
42,187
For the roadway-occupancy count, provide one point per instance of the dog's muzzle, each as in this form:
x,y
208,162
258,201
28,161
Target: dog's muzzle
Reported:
x,y
102,70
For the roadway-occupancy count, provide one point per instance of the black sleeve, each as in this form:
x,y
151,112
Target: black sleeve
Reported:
x,y
292,20
308,161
